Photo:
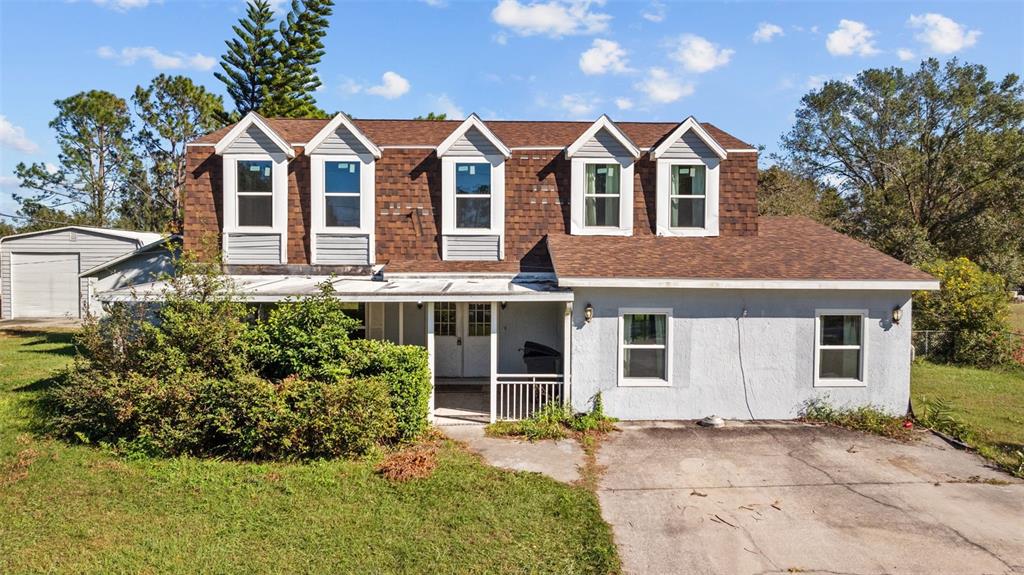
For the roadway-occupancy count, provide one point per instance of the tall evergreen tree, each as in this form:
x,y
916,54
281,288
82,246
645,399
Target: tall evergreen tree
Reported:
x,y
96,166
250,61
300,48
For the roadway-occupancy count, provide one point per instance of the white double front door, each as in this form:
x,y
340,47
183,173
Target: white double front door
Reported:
x,y
462,333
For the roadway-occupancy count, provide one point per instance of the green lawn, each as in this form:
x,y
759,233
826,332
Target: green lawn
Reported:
x,y
989,402
67,508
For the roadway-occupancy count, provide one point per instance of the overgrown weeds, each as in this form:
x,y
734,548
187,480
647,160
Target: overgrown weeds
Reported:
x,y
557,421
863,418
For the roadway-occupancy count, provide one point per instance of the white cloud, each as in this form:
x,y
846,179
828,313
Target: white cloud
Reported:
x,y
664,88
446,106
122,4
905,54
766,31
941,34
436,3
554,18
14,137
579,105
697,54
9,182
623,103
851,38
157,59
655,13
604,56
391,86
816,81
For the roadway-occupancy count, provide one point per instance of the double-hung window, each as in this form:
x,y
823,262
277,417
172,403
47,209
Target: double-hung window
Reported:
x,y
472,195
601,196
341,194
688,196
644,348
840,348
254,184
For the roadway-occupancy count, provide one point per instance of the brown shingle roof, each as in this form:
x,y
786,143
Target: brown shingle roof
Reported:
x,y
786,248
515,134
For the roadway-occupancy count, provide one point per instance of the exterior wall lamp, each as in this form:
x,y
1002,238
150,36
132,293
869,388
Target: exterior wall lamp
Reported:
x,y
588,313
897,315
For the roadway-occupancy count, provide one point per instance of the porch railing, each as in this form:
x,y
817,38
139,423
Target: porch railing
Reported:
x,y
520,395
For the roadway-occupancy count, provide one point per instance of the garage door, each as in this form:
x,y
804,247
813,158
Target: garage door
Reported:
x,y
44,285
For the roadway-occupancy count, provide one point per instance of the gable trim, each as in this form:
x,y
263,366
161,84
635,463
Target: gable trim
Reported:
x,y
253,119
473,121
341,119
689,124
606,123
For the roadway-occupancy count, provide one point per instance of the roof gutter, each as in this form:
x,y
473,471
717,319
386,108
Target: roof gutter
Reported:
x,y
747,283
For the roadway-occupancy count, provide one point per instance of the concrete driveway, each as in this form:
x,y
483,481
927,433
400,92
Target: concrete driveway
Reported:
x,y
784,498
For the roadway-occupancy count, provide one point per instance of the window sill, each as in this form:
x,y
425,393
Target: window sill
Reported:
x,y
644,383
687,232
839,383
601,231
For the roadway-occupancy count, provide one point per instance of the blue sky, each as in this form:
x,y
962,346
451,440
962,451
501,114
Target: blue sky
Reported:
x,y
741,65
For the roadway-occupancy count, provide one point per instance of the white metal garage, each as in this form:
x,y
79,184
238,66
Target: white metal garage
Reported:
x,y
39,271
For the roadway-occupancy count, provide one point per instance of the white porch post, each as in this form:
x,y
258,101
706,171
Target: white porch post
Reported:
x,y
494,361
431,355
567,354
401,323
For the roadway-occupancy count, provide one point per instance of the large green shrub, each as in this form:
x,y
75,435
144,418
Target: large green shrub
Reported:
x,y
405,370
972,307
342,418
305,337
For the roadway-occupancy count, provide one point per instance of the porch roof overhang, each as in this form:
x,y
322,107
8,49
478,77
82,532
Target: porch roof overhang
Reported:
x,y
275,288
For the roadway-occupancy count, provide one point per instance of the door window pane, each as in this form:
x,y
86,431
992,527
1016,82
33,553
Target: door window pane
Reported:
x,y
342,211
256,210
445,319
479,319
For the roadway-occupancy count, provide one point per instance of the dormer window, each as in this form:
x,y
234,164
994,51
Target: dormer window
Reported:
x,y
473,193
255,185
687,181
602,195
342,169
688,197
255,190
602,181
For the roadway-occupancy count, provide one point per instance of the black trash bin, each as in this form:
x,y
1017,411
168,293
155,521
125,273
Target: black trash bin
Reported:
x,y
540,358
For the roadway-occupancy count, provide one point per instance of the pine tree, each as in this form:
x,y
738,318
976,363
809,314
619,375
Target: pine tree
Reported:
x,y
300,48
251,59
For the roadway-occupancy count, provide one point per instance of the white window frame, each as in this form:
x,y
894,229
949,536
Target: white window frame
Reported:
x,y
863,347
448,203
318,205
624,381
711,197
279,179
578,220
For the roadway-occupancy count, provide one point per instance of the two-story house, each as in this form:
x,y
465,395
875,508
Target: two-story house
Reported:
x,y
546,260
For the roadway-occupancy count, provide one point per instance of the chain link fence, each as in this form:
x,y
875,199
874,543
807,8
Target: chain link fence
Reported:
x,y
929,341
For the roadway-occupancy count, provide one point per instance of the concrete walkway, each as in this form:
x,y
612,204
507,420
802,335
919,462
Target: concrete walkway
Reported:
x,y
40,324
560,460
778,498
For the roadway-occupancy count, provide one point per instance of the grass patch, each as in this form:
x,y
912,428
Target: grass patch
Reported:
x,y
987,404
555,421
863,418
69,508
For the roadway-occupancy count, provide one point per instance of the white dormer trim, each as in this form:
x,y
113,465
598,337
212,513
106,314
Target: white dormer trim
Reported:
x,y
473,121
341,120
687,125
606,123
252,119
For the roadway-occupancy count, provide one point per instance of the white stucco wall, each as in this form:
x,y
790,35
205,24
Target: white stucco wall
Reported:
x,y
777,337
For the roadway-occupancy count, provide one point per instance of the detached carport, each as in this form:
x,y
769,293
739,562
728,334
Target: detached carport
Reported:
x,y
40,270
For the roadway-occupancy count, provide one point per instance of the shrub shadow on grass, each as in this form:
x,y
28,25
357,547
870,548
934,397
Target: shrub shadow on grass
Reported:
x,y
41,338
